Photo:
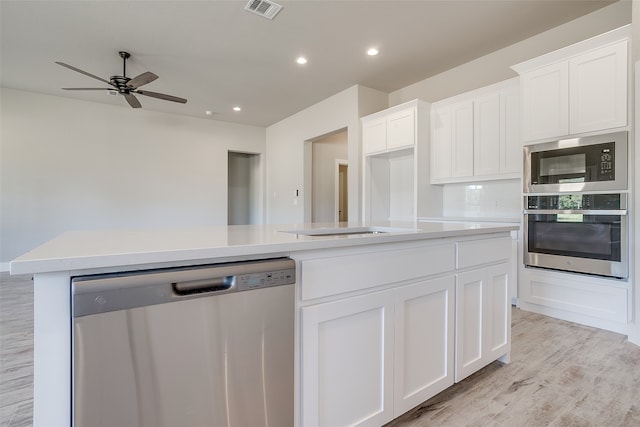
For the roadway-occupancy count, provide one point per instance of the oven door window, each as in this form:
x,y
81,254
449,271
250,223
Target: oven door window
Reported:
x,y
581,236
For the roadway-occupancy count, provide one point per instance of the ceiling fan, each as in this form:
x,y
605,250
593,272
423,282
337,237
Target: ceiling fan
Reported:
x,y
124,85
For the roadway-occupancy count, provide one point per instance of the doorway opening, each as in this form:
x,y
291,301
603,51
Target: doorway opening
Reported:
x,y
341,191
243,193
323,157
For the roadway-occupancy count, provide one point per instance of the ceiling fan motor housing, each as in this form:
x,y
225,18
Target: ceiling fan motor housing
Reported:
x,y
121,83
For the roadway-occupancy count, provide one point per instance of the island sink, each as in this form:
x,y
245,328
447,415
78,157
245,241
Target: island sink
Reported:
x,y
346,231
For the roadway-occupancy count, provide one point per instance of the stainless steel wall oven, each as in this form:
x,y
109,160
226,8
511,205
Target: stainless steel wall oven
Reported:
x,y
578,232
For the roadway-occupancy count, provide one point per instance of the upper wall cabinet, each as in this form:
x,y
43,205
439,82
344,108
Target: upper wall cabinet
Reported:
x,y
396,164
578,89
476,135
392,131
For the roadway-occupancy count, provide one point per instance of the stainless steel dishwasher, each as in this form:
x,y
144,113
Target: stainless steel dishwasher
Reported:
x,y
199,346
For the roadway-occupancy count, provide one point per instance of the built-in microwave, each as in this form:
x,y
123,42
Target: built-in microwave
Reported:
x,y
590,163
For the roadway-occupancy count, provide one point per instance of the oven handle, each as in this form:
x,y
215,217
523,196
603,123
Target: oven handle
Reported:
x,y
621,212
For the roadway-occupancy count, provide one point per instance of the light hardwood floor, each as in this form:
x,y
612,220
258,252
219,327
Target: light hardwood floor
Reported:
x,y
561,374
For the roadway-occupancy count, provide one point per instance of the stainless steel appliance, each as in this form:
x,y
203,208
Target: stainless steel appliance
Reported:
x,y
585,233
199,346
592,163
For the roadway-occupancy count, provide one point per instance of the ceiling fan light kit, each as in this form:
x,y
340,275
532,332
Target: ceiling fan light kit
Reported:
x,y
125,86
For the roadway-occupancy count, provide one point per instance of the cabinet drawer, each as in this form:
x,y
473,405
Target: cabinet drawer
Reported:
x,y
481,252
322,277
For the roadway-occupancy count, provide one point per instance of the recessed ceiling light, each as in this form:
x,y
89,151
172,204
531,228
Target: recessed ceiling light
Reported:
x,y
372,52
237,109
301,60
208,112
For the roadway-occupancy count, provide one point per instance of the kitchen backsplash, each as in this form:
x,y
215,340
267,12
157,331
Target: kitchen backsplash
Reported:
x,y
488,199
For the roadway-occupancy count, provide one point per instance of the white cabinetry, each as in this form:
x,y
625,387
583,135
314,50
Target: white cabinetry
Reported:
x,y
368,358
578,89
483,313
359,346
590,300
396,147
378,325
451,155
545,94
424,341
348,361
395,130
483,318
476,135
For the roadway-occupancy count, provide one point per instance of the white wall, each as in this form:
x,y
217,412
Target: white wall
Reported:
x,y
285,150
69,164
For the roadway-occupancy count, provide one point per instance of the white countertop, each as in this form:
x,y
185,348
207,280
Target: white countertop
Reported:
x,y
84,250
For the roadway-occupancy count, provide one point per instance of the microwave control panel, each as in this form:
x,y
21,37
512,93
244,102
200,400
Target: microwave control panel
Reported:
x,y
606,162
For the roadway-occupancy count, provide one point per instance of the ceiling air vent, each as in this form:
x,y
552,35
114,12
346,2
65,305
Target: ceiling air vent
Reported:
x,y
265,8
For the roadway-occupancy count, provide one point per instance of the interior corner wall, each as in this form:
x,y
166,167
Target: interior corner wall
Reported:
x,y
495,67
285,151
69,164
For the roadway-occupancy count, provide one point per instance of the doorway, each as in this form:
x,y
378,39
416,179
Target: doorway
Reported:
x,y
323,156
243,194
341,191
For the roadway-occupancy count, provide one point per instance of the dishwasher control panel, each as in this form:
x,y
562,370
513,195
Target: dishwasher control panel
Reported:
x,y
265,279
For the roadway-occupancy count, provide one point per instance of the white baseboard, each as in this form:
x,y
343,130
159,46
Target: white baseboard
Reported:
x,y
607,325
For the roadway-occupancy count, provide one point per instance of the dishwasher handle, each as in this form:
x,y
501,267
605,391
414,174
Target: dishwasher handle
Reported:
x,y
192,287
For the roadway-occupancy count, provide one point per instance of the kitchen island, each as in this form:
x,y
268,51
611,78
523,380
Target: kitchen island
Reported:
x,y
387,315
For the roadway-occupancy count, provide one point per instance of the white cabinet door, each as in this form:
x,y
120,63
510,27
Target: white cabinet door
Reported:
x,y
401,129
598,89
347,362
441,149
546,102
424,341
478,136
374,136
483,318
462,139
486,135
498,321
510,139
470,289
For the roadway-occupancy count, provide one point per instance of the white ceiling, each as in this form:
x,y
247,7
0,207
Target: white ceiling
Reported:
x,y
217,55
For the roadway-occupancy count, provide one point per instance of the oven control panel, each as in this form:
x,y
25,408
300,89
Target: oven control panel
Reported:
x,y
575,202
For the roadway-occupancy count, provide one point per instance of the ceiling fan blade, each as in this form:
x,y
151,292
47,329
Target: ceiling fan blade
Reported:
x,y
83,72
88,88
132,100
142,79
162,96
